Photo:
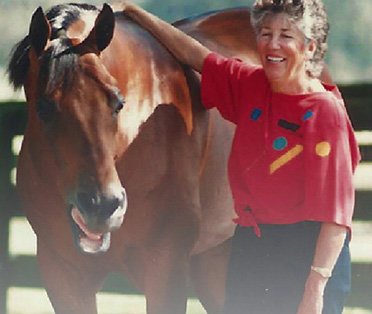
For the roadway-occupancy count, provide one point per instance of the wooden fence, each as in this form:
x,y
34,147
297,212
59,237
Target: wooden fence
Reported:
x,y
21,271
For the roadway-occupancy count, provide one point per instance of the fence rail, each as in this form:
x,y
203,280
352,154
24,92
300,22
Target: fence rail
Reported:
x,y
22,271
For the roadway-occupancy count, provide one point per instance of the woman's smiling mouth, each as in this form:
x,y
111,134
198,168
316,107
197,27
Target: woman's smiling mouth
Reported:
x,y
275,59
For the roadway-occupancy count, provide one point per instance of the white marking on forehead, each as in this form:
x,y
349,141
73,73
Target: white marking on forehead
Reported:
x,y
57,22
87,16
140,107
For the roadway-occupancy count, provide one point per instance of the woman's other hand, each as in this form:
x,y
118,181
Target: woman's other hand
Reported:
x,y
330,241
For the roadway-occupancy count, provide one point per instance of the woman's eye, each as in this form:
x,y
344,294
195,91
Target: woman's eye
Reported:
x,y
287,36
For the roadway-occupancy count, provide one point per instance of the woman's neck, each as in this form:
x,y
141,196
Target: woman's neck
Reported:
x,y
306,85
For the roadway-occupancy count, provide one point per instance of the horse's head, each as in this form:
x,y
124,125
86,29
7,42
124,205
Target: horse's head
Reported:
x,y
73,105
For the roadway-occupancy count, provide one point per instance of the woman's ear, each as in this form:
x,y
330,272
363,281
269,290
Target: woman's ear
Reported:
x,y
311,47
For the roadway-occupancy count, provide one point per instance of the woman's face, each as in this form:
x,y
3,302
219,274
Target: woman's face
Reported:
x,y
283,50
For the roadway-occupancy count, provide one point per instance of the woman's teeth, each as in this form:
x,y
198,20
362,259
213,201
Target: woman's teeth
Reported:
x,y
275,59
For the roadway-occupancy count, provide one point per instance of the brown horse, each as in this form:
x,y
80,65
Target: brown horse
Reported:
x,y
150,169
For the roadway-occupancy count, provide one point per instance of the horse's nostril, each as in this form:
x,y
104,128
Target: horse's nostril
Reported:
x,y
112,204
86,200
101,205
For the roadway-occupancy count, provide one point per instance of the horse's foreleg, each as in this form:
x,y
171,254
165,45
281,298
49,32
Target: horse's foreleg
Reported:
x,y
208,273
70,290
166,282
168,261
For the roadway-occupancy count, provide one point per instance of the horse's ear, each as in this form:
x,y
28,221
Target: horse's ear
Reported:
x,y
40,31
103,30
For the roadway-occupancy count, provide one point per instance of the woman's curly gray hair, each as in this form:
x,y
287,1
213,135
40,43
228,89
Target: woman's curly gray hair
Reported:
x,y
309,16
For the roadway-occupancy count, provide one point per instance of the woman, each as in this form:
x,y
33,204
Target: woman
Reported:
x,y
291,164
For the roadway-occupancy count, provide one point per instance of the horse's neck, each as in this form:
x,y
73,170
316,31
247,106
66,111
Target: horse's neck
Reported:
x,y
148,75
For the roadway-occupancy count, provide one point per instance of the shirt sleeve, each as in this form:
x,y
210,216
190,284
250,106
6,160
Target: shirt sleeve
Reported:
x,y
223,81
331,155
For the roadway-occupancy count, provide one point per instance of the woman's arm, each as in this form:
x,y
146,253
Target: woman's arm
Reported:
x,y
330,242
186,49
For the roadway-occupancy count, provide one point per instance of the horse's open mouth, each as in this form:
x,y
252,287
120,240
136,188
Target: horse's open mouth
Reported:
x,y
87,241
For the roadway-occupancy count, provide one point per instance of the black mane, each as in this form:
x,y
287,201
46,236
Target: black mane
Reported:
x,y
56,66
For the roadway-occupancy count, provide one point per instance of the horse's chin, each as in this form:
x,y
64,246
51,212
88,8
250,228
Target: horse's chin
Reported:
x,y
85,240
93,246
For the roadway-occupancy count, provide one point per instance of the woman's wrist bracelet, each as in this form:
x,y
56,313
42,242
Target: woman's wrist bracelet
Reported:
x,y
324,272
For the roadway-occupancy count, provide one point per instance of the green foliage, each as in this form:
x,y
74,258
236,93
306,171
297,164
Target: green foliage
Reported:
x,y
178,9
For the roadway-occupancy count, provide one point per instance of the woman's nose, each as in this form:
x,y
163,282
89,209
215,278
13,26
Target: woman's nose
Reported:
x,y
274,42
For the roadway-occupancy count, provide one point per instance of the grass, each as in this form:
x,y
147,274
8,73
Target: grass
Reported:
x,y
35,301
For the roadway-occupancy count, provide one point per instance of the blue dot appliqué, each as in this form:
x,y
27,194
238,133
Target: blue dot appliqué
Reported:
x,y
256,114
307,115
280,143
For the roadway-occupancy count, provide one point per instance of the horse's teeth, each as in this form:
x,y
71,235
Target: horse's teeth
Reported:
x,y
79,220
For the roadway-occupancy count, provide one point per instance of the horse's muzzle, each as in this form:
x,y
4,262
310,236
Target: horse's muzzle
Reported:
x,y
94,216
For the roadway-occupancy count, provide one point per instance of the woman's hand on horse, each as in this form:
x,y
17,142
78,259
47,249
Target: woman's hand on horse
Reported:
x,y
121,6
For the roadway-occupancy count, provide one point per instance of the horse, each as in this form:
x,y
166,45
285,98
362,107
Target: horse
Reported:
x,y
121,169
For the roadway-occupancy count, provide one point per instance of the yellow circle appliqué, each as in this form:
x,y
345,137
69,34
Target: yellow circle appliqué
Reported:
x,y
323,149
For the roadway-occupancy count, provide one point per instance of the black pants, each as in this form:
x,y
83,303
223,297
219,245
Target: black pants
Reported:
x,y
267,275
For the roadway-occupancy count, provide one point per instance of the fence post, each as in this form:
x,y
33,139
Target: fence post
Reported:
x,y
5,214
12,122
4,263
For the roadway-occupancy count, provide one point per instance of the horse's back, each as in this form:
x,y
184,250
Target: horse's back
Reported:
x,y
228,32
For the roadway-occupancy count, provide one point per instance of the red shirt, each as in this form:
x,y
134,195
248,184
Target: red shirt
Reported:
x,y
293,156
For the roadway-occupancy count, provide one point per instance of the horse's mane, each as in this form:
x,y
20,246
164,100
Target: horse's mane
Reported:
x,y
55,65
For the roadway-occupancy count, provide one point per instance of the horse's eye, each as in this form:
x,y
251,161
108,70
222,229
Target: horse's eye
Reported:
x,y
46,109
119,105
